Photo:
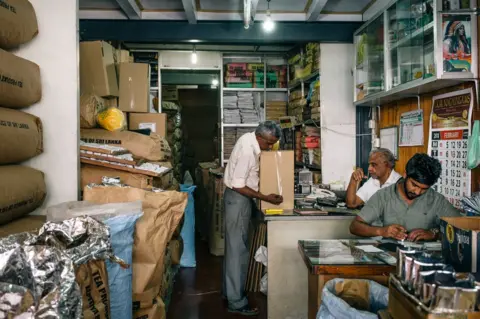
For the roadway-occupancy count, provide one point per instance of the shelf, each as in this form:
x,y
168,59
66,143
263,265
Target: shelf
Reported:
x,y
244,89
240,125
306,79
408,90
415,34
312,166
277,90
308,122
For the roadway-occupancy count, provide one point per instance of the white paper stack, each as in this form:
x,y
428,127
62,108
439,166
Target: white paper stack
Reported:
x,y
245,100
230,100
229,139
231,116
249,116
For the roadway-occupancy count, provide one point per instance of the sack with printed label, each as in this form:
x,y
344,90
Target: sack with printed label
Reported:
x,y
90,106
22,190
21,136
18,23
20,84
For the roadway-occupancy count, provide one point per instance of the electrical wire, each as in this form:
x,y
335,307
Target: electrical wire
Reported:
x,y
310,121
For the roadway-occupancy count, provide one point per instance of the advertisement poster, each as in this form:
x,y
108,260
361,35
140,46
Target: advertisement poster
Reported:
x,y
449,130
411,128
457,43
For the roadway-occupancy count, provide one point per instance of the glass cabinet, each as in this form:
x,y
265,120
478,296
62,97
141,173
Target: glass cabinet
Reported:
x,y
369,61
414,42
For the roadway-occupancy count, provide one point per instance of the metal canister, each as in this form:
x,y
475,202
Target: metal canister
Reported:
x,y
401,255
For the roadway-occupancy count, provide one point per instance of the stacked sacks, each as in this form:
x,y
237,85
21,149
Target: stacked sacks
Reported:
x,y
22,189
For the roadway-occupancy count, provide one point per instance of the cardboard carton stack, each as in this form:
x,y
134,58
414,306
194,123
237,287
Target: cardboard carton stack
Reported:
x,y
276,109
296,105
230,138
311,145
22,189
216,238
108,79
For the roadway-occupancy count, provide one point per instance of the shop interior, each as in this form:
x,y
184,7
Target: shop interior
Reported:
x,y
114,170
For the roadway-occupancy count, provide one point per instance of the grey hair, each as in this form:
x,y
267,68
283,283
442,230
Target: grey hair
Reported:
x,y
268,128
387,154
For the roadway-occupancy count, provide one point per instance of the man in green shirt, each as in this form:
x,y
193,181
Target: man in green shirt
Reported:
x,y
410,209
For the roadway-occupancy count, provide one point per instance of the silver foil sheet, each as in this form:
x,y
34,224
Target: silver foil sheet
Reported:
x,y
81,238
36,281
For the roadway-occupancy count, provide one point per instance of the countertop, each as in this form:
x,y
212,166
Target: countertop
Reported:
x,y
289,215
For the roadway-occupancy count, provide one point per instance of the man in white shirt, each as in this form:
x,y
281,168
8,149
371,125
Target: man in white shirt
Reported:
x,y
241,180
381,164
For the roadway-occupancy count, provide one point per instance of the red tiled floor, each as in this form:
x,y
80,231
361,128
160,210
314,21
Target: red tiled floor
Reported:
x,y
197,291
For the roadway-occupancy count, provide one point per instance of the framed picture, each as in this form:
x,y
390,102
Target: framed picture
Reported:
x,y
389,139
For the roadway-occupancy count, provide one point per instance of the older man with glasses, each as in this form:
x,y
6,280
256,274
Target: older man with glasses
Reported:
x,y
241,179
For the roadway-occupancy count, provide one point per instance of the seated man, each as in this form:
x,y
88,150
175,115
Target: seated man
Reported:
x,y
410,209
381,164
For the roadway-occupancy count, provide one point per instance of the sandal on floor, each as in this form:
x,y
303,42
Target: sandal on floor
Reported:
x,y
244,311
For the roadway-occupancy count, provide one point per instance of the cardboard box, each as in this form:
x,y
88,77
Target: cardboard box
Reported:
x,y
169,93
91,174
122,56
134,87
112,102
97,69
277,177
460,242
156,122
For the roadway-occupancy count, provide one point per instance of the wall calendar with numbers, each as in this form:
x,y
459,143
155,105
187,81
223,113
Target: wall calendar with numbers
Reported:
x,y
450,126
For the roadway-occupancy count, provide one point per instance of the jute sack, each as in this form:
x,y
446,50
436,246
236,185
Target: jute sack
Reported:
x,y
22,190
92,278
18,23
152,147
20,84
21,136
153,231
176,246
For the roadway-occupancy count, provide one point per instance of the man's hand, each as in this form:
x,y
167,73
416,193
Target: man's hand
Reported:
x,y
394,231
421,234
274,199
358,175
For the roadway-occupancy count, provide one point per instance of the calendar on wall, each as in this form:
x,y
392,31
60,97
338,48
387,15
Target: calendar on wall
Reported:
x,y
450,125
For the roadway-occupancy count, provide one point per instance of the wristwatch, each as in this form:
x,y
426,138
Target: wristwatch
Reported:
x,y
435,232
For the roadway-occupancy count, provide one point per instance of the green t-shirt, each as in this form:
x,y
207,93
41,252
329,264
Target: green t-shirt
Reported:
x,y
424,212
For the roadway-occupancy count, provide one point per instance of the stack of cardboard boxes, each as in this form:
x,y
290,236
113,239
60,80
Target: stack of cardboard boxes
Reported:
x,y
22,189
108,78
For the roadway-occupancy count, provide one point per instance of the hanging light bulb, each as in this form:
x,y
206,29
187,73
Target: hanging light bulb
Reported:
x,y
268,23
194,56
215,82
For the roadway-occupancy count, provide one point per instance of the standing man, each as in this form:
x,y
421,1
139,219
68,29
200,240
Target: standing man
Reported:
x,y
381,168
410,209
241,180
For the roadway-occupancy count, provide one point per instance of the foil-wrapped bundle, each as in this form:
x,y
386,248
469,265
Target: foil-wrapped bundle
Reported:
x,y
36,281
82,238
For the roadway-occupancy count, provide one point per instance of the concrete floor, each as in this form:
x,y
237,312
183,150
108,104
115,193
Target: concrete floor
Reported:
x,y
197,291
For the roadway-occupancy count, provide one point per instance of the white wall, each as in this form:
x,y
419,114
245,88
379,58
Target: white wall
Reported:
x,y
337,112
55,50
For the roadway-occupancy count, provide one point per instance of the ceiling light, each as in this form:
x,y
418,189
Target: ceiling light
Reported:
x,y
194,56
194,41
268,23
214,82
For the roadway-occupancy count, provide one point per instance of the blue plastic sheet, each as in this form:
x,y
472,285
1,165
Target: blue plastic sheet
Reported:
x,y
188,230
333,307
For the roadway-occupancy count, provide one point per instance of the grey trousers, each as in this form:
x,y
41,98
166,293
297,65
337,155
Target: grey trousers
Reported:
x,y
238,212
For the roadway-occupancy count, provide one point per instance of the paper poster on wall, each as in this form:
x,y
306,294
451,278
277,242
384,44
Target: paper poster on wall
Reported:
x,y
411,128
457,43
389,139
450,126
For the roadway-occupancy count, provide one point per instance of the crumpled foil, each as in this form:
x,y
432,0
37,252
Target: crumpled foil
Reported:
x,y
81,238
36,281
471,204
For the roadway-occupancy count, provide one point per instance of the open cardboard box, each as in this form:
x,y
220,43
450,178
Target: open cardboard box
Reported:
x,y
460,242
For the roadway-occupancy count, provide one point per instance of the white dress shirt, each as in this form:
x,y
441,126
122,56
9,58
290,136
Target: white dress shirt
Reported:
x,y
373,185
243,165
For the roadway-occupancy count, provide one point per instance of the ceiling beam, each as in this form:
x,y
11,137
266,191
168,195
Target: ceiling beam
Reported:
x,y
315,9
130,8
190,10
146,31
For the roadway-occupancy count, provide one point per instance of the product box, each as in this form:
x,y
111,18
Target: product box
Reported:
x,y
277,177
134,87
460,242
123,56
156,122
169,93
97,69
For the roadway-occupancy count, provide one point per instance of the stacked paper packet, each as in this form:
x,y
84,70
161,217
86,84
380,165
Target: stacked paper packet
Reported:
x,y
229,139
230,100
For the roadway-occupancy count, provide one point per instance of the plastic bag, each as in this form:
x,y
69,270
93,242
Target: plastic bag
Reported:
x,y
264,284
121,219
112,119
473,155
188,229
333,307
